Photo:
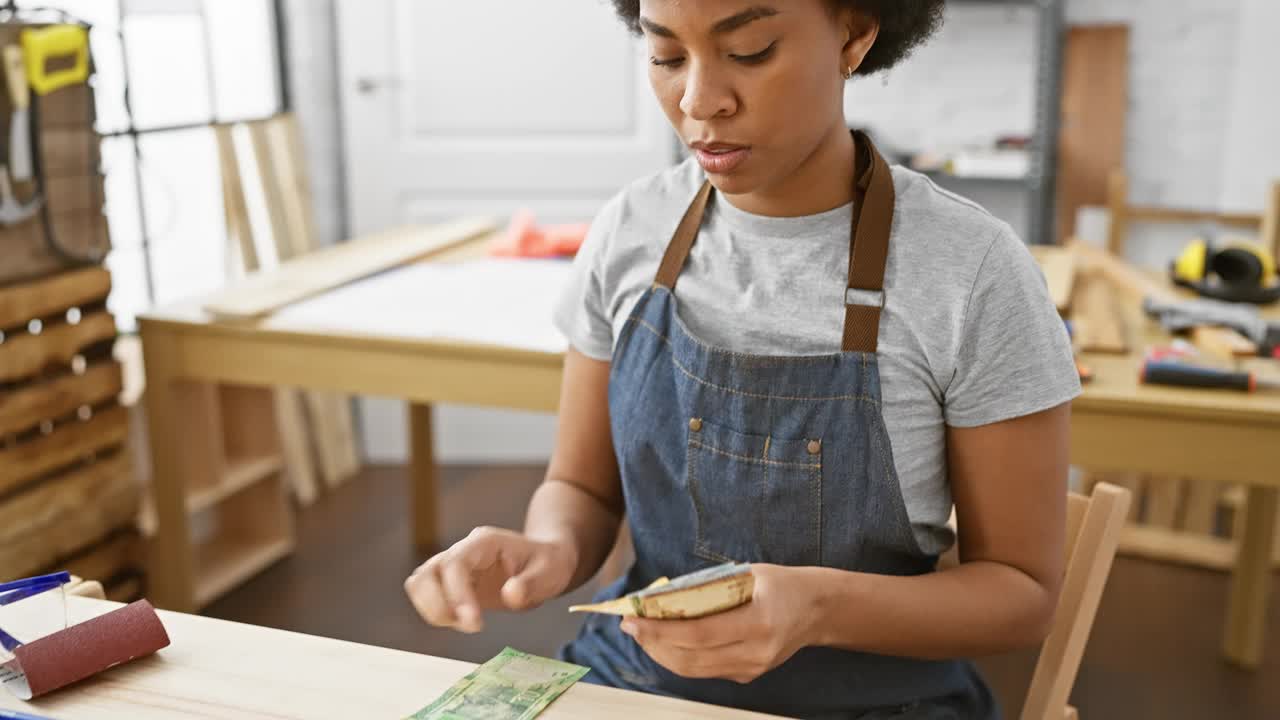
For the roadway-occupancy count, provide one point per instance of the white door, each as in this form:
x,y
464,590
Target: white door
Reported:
x,y
487,106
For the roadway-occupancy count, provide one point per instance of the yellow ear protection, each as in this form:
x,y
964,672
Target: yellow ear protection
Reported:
x,y
1236,272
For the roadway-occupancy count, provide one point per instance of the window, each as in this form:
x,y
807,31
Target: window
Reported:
x,y
186,65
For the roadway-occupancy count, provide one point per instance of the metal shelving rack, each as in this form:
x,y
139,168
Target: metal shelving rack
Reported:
x,y
1040,182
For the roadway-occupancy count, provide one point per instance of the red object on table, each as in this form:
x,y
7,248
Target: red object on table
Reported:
x,y
84,650
524,238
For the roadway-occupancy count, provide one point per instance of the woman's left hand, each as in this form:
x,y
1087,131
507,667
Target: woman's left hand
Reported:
x,y
741,644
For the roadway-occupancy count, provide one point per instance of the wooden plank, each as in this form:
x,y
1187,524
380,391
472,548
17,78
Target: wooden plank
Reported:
x,y
67,514
1222,343
279,151
42,298
26,355
67,444
1137,286
289,160
325,269
295,443
333,435
1059,267
1095,315
234,210
1095,103
286,411
29,405
118,553
273,195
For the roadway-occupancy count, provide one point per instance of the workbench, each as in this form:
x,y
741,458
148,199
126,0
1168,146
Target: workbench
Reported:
x,y
1215,436
220,669
1116,425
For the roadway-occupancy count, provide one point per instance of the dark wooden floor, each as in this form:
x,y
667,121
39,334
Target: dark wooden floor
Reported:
x,y
1153,653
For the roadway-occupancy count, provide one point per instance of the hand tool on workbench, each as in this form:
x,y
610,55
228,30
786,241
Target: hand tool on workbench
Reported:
x,y
1178,374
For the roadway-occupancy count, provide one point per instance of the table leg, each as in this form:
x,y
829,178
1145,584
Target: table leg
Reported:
x,y
1251,580
171,578
422,477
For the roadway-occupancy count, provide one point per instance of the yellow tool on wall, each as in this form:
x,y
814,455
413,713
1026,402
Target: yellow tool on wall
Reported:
x,y
52,43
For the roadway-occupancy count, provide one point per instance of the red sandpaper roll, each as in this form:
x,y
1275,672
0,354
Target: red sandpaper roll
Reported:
x,y
84,650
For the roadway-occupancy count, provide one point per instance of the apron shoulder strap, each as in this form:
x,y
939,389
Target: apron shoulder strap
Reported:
x,y
868,247
868,250
678,249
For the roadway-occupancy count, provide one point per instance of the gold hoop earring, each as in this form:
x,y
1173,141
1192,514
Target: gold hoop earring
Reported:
x,y
848,73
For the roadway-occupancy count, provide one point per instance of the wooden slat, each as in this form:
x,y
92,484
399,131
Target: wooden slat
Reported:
x,y
333,435
1222,343
278,151
285,245
291,424
1095,99
1171,215
43,298
287,412
331,267
235,211
66,514
290,166
1059,267
114,555
1271,220
1201,507
1164,495
30,405
1095,313
26,355
67,444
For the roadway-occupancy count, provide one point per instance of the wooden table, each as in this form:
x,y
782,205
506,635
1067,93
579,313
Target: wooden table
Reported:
x,y
183,343
1117,425
219,669
1215,436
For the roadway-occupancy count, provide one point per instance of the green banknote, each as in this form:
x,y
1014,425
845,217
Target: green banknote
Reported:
x,y
511,686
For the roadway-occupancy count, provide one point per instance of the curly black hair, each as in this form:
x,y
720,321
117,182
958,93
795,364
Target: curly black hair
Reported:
x,y
904,26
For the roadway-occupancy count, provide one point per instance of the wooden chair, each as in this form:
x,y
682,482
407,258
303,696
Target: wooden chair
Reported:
x,y
1123,214
1093,533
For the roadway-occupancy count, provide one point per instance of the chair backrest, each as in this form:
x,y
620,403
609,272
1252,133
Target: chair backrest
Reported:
x,y
1123,214
1093,534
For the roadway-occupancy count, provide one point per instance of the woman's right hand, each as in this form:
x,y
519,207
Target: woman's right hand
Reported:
x,y
489,569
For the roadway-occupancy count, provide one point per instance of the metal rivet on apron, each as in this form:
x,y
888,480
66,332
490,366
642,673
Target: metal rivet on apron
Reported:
x,y
695,424
815,447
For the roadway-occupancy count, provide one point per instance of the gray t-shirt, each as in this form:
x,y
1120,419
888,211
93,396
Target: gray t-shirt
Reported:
x,y
968,335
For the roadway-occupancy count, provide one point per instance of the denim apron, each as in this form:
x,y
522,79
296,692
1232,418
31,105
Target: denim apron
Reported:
x,y
785,460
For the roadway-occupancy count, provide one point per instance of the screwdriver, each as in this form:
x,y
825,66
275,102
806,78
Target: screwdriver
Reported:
x,y
1161,372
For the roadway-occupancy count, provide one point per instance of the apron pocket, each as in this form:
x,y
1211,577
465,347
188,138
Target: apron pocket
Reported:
x,y
756,498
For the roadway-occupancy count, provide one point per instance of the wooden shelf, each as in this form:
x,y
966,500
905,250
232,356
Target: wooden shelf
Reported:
x,y
249,528
238,476
225,563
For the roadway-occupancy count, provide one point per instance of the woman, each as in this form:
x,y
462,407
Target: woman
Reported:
x,y
850,349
